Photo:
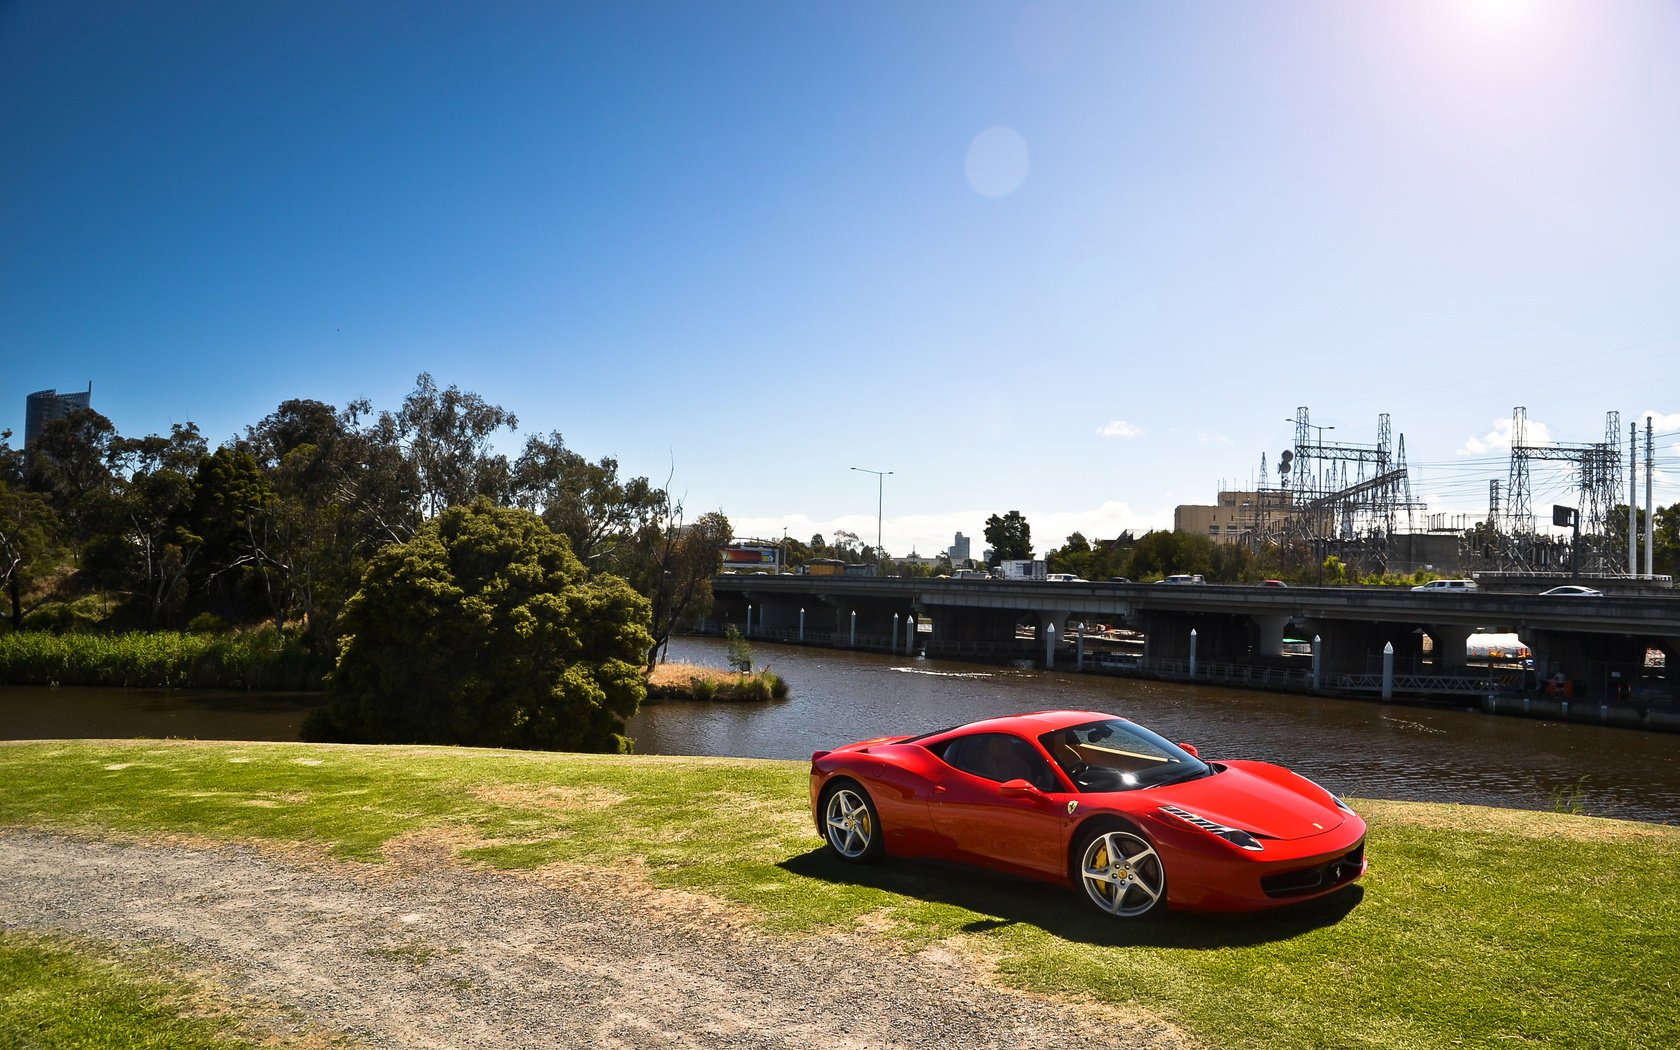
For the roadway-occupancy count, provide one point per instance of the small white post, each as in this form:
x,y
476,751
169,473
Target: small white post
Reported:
x,y
1079,659
909,633
1192,652
1318,663
802,623
853,642
1049,644
1388,671
749,619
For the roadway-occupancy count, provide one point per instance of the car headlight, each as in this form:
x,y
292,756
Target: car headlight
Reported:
x,y
1235,836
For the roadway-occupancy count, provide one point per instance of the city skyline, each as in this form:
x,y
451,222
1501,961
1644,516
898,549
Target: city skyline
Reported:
x,y
1083,261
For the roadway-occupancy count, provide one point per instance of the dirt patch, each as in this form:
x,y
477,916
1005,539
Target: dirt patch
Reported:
x,y
426,953
553,798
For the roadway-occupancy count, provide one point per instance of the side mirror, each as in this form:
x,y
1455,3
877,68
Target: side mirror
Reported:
x,y
1018,788
1190,749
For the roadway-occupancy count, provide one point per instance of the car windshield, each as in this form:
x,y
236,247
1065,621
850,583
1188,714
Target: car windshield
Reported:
x,y
1117,755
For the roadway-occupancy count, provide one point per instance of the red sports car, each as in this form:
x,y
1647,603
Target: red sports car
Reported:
x,y
1139,822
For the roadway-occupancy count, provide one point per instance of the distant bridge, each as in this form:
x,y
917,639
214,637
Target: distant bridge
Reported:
x,y
1598,643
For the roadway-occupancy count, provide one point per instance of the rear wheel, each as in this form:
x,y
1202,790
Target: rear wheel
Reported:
x,y
851,826
1121,872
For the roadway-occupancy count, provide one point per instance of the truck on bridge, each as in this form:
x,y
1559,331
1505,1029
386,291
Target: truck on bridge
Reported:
x,y
1021,569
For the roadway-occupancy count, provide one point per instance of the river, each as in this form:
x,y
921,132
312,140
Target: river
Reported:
x,y
1359,748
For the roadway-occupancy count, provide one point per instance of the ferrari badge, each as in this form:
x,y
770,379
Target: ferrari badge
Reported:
x,y
1072,806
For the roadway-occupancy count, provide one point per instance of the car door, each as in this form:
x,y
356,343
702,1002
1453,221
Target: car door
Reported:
x,y
1015,831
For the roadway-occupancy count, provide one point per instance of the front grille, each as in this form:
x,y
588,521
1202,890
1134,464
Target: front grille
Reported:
x,y
1325,876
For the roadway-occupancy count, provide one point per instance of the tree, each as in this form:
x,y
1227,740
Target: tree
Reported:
x,y
1162,553
1010,537
1074,557
676,573
485,630
232,513
583,501
445,438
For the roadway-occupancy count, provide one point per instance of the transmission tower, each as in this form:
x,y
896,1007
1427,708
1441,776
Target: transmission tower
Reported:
x,y
1348,496
1597,475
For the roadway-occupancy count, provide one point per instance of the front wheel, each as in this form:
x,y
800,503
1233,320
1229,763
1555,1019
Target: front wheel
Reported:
x,y
851,826
1122,873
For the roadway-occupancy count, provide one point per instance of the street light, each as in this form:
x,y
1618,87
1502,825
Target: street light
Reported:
x,y
880,488
1310,426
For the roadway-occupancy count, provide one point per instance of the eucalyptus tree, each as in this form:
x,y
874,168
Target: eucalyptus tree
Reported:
x,y
587,503
153,497
28,530
445,437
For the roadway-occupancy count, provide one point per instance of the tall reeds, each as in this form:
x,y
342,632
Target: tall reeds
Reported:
x,y
262,658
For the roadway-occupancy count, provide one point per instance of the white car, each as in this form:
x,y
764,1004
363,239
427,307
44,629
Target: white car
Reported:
x,y
1183,578
1447,586
1063,577
1572,589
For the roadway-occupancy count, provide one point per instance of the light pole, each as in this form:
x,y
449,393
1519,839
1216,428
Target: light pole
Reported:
x,y
1309,426
880,489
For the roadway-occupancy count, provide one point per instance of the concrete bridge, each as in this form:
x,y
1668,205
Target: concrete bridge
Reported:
x,y
1598,643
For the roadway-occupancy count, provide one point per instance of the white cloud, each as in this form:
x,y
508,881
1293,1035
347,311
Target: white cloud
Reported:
x,y
1119,429
1499,438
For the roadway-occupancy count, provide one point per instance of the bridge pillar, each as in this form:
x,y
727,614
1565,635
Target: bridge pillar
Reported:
x,y
1220,638
1450,641
1268,633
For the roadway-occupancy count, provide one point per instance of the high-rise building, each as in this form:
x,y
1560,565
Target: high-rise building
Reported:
x,y
44,406
959,551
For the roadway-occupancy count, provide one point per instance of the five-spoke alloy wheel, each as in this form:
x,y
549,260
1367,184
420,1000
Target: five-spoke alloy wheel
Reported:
x,y
850,824
1122,873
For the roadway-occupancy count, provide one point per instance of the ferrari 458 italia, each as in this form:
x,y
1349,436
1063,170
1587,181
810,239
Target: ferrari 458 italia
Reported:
x,y
1135,821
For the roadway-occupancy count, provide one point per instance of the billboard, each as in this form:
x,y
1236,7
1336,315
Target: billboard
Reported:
x,y
735,557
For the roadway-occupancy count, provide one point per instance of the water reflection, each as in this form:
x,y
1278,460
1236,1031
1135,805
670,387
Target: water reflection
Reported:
x,y
1361,748
52,713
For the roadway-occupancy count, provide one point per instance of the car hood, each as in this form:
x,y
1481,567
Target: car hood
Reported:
x,y
1267,800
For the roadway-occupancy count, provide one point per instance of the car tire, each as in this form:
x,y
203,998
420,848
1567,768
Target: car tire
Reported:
x,y
851,825
1117,868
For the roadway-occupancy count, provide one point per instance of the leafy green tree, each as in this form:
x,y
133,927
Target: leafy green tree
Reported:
x,y
485,630
1010,537
583,501
28,542
232,512
1665,536
1163,553
1074,556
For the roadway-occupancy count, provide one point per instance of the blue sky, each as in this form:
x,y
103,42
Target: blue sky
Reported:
x,y
1077,260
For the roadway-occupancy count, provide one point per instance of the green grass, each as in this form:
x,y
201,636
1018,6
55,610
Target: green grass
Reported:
x,y
1475,927
63,995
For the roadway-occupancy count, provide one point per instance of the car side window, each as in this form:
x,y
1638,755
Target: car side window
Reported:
x,y
1000,757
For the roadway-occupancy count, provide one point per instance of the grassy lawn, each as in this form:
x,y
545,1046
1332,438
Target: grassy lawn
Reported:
x,y
1475,927
60,994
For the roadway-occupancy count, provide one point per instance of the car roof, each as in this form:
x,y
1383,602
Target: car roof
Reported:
x,y
1031,723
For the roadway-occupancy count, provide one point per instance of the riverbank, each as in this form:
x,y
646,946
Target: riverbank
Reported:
x,y
685,681
1441,943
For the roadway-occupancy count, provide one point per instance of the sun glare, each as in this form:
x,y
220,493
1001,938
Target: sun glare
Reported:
x,y
1498,14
